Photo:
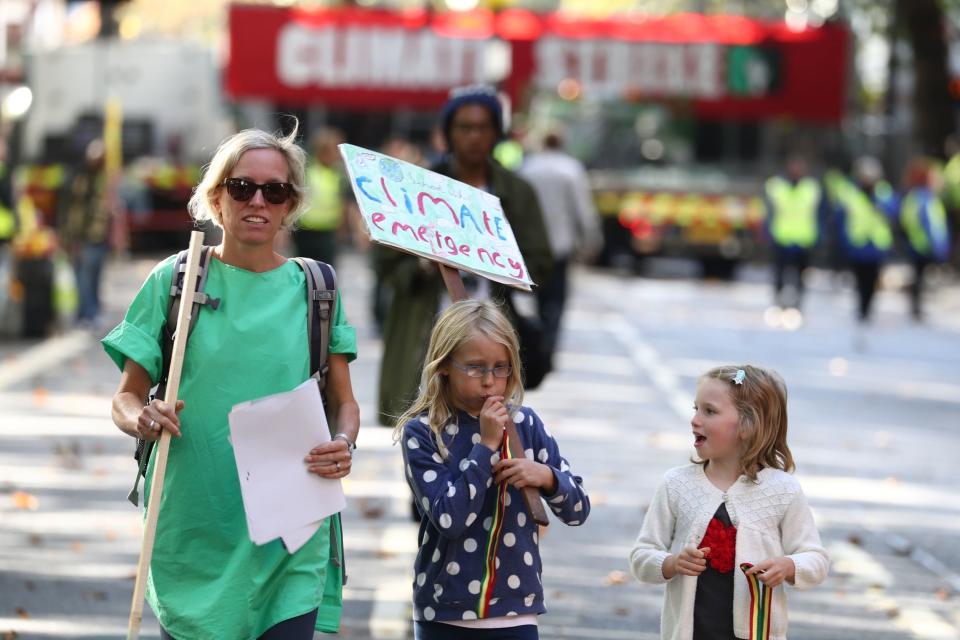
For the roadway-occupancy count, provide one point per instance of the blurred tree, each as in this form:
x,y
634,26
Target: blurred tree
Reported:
x,y
934,119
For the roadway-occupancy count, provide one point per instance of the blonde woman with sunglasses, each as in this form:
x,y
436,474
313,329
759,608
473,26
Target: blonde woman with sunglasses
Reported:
x,y
207,579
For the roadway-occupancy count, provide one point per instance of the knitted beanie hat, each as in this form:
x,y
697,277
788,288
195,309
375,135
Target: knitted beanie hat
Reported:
x,y
481,94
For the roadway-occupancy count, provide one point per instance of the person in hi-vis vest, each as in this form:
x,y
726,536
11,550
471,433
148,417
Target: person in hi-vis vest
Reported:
x,y
923,218
316,233
794,206
866,204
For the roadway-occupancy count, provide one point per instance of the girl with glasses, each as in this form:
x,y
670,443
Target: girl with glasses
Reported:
x,y
477,574
207,578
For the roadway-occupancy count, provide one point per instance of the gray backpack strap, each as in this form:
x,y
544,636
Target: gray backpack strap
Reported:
x,y
144,449
321,284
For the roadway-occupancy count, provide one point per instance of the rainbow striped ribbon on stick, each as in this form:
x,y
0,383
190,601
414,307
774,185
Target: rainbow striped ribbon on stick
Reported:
x,y
760,604
493,542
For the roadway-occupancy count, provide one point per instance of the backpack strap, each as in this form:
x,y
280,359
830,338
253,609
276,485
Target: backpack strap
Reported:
x,y
144,448
321,282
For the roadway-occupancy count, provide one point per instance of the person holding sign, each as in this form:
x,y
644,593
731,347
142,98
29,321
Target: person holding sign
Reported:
x,y
467,485
472,123
207,578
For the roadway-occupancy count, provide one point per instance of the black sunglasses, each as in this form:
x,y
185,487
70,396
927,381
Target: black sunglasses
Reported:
x,y
241,190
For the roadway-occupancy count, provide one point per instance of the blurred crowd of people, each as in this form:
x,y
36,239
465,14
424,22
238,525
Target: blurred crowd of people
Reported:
x,y
53,249
858,219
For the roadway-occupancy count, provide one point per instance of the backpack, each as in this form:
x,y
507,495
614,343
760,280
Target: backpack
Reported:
x,y
321,287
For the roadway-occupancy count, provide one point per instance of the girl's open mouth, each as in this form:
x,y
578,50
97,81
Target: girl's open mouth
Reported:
x,y
698,439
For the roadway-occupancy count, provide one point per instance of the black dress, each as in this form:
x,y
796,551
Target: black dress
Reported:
x,y
713,606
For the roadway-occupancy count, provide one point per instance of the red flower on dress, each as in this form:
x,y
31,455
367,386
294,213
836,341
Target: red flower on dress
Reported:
x,y
722,541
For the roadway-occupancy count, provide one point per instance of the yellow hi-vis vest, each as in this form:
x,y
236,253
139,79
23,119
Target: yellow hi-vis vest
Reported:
x,y
864,223
8,225
794,211
910,219
325,211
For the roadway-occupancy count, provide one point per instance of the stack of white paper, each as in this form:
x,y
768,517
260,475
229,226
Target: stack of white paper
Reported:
x,y
270,438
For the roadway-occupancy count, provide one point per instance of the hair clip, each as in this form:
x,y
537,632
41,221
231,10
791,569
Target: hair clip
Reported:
x,y
739,376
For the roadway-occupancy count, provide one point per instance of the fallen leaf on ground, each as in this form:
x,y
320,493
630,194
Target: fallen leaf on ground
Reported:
x,y
855,538
9,635
40,396
615,577
22,613
25,501
622,611
36,539
111,536
77,547
942,594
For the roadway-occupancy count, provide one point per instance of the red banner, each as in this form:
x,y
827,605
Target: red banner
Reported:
x,y
726,67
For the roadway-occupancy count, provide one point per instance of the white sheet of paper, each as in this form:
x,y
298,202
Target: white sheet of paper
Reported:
x,y
296,539
270,438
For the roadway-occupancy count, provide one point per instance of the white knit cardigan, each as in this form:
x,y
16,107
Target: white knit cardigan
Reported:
x,y
772,519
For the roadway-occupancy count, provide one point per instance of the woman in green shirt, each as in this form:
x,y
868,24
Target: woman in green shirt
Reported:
x,y
208,580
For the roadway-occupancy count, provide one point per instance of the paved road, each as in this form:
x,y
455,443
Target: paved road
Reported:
x,y
874,427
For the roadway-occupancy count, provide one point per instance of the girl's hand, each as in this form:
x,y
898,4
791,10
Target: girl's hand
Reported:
x,y
157,416
773,571
493,420
330,459
521,472
689,562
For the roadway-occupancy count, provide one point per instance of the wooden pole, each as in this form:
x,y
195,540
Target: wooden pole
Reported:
x,y
162,449
531,495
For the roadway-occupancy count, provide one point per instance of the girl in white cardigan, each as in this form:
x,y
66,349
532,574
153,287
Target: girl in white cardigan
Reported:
x,y
727,531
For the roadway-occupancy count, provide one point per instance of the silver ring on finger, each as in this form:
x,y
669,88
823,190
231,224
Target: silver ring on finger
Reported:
x,y
151,425
338,465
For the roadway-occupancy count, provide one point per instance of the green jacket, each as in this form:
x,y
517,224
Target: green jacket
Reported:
x,y
416,291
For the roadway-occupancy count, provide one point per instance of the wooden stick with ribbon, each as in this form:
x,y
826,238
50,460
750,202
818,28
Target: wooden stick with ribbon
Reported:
x,y
162,449
761,604
531,495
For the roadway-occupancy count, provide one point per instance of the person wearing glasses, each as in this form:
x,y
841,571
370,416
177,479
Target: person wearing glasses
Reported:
x,y
472,123
478,570
207,578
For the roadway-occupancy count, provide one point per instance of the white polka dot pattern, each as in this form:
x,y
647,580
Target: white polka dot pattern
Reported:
x,y
471,519
429,475
528,558
474,587
518,417
445,520
453,568
513,581
428,613
470,545
509,539
413,444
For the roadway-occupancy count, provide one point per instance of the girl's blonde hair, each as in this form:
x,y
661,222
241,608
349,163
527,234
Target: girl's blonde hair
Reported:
x,y
761,402
202,205
453,329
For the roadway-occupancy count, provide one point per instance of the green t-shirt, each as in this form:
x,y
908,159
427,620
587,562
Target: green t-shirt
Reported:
x,y
207,579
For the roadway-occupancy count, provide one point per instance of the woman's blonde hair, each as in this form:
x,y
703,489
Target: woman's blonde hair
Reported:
x,y
202,202
761,402
453,329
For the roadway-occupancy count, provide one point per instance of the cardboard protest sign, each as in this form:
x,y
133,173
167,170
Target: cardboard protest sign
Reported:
x,y
430,215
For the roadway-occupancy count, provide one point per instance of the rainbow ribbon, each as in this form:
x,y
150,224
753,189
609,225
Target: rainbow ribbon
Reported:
x,y
493,541
761,604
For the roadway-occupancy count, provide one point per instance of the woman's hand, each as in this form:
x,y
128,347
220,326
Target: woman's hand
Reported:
x,y
689,562
521,472
156,417
493,420
330,459
773,571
